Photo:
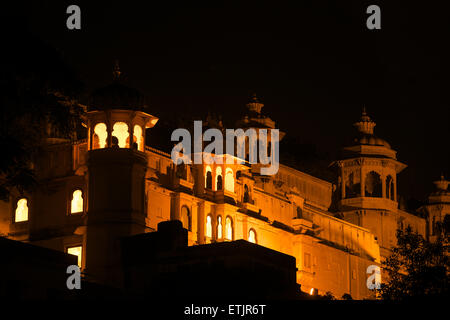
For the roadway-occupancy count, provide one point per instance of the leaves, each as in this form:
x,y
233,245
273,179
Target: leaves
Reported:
x,y
416,268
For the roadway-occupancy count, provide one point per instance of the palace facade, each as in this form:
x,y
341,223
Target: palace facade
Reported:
x,y
96,191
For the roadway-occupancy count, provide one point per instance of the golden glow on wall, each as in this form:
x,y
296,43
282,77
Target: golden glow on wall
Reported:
x,y
219,227
252,236
229,180
77,202
21,211
100,135
228,229
76,251
137,133
208,226
120,131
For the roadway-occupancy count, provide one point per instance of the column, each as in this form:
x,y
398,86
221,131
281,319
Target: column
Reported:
x,y
201,222
383,187
341,165
362,182
395,189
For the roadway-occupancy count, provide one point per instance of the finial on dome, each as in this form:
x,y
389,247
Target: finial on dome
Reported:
x,y
116,72
254,104
441,184
365,124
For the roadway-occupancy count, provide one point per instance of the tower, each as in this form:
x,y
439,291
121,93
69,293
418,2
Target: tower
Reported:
x,y
367,185
368,171
437,209
255,119
116,121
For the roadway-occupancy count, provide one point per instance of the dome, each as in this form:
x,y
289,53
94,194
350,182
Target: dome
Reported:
x,y
116,96
371,140
365,127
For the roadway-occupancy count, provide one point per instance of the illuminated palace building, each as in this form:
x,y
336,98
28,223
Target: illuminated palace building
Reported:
x,y
95,191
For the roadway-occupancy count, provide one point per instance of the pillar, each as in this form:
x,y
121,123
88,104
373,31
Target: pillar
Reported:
x,y
342,181
363,183
201,222
383,187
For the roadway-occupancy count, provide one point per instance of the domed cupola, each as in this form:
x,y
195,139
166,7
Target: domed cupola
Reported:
x,y
117,118
117,96
366,136
368,170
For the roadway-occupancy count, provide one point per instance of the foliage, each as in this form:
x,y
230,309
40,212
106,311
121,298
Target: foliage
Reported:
x,y
417,268
38,100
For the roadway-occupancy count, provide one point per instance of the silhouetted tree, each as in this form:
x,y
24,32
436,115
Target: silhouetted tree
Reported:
x,y
417,268
37,101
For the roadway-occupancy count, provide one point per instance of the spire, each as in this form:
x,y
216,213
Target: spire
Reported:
x,y
365,124
116,72
441,184
255,105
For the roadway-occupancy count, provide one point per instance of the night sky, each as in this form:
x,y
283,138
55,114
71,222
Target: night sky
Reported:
x,y
314,66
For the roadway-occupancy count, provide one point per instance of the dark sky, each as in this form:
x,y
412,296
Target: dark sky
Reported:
x,y
314,66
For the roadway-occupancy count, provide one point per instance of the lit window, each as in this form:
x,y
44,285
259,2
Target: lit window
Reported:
x,y
229,180
208,178
186,218
120,131
219,227
100,135
219,178
137,133
76,251
77,202
208,226
21,210
228,229
252,236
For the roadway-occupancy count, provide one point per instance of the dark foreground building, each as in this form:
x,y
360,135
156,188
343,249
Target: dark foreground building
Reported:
x,y
158,265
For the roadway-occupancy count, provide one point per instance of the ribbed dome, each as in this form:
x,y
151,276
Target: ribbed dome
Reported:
x,y
370,139
117,96
365,127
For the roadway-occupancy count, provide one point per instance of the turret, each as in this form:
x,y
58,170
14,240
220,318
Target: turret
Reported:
x,y
117,163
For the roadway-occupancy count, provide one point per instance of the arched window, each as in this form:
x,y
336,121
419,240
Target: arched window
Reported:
x,y
219,227
218,178
208,226
208,178
21,210
228,228
99,136
353,185
120,131
373,185
77,202
246,194
138,137
446,224
186,218
229,180
299,212
433,226
252,236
